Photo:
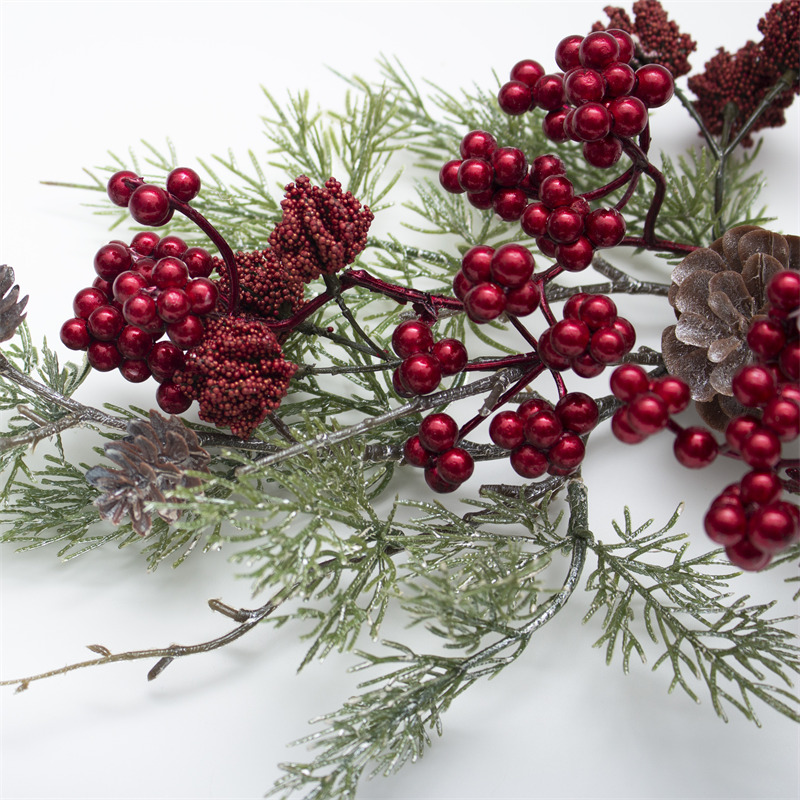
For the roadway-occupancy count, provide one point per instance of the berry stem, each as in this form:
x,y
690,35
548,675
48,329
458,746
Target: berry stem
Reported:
x,y
429,302
595,194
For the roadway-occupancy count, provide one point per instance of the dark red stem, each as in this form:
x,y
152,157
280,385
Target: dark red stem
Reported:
x,y
360,277
602,191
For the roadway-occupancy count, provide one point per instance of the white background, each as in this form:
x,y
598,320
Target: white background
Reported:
x,y
79,79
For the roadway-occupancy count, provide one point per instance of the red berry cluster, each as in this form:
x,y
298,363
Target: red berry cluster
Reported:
x,y
150,204
590,337
563,224
433,448
425,361
493,177
143,291
543,439
598,97
491,282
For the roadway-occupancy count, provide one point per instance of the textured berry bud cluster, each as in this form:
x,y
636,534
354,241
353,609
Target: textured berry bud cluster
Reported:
x,y
590,337
491,282
597,99
425,361
434,449
155,287
543,439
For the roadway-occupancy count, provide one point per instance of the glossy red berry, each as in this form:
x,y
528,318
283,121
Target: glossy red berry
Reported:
x,y
598,49
485,302
625,43
515,97
105,323
782,417
567,52
607,346
171,399
397,384
738,429
584,366
789,361
534,219
761,449
478,144
773,528
170,273
575,256
527,71
629,380
647,414
145,242
695,448
103,356
556,190
184,183
523,300
654,85
438,432
202,294
482,200
726,524
135,371
198,262
455,465
411,337
186,333
149,205
591,122
127,284
451,355
118,189
570,337
747,556
112,259
461,285
603,153
509,204
173,305
553,125
420,373
511,265
74,334
87,300
164,360
550,357
437,482
141,311
528,462
673,391
578,413
583,86
621,428
766,338
507,430
619,79
567,453
783,290
629,116
543,429
605,227
598,311
753,385
416,454
760,487
476,263
134,343
564,225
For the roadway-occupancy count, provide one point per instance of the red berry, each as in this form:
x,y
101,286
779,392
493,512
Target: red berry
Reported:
x,y
528,462
103,356
171,399
184,183
509,204
164,360
726,524
619,79
523,300
621,428
761,449
567,453
654,85
564,225
149,205
534,219
598,311
746,556
753,385
118,190
461,285
548,93
511,265
584,366
603,153
573,305
172,246
782,417
481,200
127,284
416,454
170,273
773,528
186,333
485,302
140,310
766,338
570,337
527,71
173,305
578,413
515,97
583,86
202,294
555,191
605,227
545,166
134,343
507,430
145,242
198,262
411,337
105,323
476,263
87,300
625,43
738,429
647,414
789,361
568,52
591,122
437,482
598,49
553,125
134,371
551,358
547,246
455,465
760,487
475,175
695,448
783,290
478,144
74,334
607,346
533,406
399,387
628,381
420,373
448,177
543,429
112,259
576,256
438,432
673,391
626,331
629,116
144,267
451,355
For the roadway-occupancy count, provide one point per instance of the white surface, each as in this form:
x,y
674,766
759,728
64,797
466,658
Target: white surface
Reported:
x,y
79,79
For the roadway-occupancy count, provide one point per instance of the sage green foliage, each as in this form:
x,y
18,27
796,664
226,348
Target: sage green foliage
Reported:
x,y
326,528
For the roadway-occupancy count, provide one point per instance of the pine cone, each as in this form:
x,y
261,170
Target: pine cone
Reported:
x,y
153,458
11,307
716,293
